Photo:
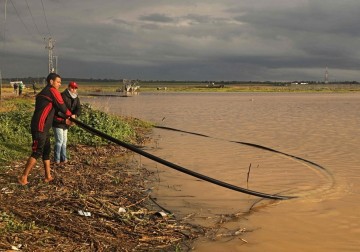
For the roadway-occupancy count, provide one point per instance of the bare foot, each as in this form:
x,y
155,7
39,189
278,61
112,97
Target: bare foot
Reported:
x,y
47,180
23,180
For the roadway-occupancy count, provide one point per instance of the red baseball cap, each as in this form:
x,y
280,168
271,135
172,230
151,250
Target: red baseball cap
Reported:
x,y
73,84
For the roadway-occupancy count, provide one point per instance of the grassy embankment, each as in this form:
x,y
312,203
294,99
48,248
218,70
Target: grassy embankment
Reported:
x,y
113,190
202,87
172,86
15,136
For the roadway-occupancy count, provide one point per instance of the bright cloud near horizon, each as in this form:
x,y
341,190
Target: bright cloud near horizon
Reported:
x,y
258,40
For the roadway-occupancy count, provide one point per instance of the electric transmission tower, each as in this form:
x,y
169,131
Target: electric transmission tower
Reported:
x,y
50,46
326,79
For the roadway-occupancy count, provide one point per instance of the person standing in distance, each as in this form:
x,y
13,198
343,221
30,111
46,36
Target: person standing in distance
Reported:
x,y
21,87
46,101
61,125
16,88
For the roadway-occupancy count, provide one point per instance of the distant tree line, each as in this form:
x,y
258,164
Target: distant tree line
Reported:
x,y
41,80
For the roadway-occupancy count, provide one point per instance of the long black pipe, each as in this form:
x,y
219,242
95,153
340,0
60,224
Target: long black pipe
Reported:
x,y
177,167
246,143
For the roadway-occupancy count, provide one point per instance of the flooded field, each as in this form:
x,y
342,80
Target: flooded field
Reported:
x,y
321,128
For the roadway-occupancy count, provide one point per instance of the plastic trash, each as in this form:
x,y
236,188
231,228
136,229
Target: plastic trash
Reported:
x,y
122,210
6,190
161,214
83,213
16,248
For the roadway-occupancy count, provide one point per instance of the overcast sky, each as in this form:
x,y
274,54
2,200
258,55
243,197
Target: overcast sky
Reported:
x,y
259,40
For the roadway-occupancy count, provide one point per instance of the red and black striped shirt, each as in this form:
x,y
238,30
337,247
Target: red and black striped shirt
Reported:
x,y
46,101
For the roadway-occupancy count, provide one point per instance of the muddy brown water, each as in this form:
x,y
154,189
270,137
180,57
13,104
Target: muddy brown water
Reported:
x,y
322,128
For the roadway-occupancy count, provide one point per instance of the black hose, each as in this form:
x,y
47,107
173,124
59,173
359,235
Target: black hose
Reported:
x,y
177,167
246,143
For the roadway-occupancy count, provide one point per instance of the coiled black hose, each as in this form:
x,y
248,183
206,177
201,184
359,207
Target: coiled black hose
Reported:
x,y
177,167
246,143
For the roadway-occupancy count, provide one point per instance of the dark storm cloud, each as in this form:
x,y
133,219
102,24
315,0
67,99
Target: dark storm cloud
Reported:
x,y
157,18
186,40
319,17
329,22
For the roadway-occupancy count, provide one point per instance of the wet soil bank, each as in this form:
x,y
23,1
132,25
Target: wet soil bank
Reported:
x,y
99,201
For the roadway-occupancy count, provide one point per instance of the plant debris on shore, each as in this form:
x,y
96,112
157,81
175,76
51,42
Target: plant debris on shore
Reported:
x,y
95,203
99,201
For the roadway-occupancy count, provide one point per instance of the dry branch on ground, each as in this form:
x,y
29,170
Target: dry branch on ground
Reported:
x,y
43,216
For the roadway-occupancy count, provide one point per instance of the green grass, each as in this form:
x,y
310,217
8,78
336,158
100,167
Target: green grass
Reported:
x,y
201,86
15,132
9,224
123,129
15,129
233,87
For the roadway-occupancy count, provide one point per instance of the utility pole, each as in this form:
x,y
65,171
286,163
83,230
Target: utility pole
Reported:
x,y
50,46
4,50
0,87
326,80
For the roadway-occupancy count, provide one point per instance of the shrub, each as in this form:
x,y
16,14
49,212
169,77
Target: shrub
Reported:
x,y
15,131
108,124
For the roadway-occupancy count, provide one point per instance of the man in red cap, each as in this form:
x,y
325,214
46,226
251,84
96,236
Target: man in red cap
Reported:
x,y
47,101
61,125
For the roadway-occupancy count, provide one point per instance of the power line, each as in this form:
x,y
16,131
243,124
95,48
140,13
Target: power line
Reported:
x,y
5,20
32,17
22,21
50,45
2,61
47,25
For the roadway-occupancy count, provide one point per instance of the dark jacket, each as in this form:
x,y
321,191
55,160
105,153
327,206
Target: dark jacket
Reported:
x,y
47,101
73,104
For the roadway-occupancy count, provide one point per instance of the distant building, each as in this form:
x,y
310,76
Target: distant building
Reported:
x,y
17,82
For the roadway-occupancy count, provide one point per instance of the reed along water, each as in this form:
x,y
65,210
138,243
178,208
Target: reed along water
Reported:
x,y
322,128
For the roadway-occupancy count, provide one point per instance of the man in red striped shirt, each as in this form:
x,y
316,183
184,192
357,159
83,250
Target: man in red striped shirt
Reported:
x,y
46,101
